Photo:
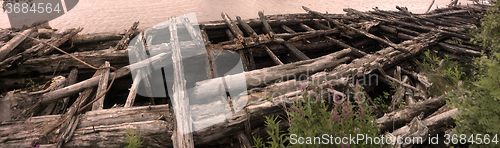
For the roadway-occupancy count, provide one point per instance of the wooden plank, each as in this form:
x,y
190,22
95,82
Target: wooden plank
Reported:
x,y
182,137
127,37
274,57
12,43
196,36
133,90
101,89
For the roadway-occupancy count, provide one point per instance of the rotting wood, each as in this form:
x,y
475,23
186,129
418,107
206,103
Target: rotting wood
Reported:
x,y
287,29
357,30
246,27
233,27
127,37
462,36
182,136
265,25
436,124
59,42
296,52
311,34
96,37
102,86
12,43
356,51
459,50
305,27
72,78
394,120
205,89
133,90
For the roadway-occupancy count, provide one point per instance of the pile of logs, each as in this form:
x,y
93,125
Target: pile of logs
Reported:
x,y
45,93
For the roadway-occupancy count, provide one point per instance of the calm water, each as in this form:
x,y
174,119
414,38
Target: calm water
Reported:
x,y
109,15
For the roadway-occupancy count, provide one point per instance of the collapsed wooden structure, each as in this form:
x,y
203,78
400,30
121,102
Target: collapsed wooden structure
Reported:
x,y
322,46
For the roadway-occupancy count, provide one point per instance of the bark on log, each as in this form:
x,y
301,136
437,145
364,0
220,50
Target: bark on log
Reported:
x,y
9,46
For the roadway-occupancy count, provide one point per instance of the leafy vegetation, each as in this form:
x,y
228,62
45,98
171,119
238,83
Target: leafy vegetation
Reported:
x,y
312,116
132,139
479,101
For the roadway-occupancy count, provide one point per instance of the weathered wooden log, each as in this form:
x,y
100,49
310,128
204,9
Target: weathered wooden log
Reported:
x,y
47,65
246,27
9,46
356,30
436,124
102,88
265,25
404,115
310,34
273,57
356,51
462,36
287,29
96,37
305,27
58,42
182,136
459,50
152,122
266,76
233,27
296,52
127,37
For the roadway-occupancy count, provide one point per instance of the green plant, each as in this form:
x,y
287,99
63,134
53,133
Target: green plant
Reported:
x,y
310,116
32,86
132,139
380,101
478,102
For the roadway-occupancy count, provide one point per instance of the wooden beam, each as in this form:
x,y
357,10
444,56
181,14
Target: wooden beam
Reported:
x,y
274,57
101,89
182,136
297,53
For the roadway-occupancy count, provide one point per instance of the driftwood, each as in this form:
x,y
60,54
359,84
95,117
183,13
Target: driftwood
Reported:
x,y
127,37
9,46
356,30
